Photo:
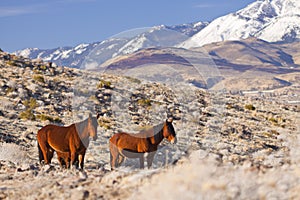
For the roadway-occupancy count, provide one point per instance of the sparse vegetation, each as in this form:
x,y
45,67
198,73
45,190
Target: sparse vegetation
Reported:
x,y
12,63
43,67
30,105
144,102
249,107
9,90
39,78
273,120
27,115
43,117
105,123
104,84
229,106
133,80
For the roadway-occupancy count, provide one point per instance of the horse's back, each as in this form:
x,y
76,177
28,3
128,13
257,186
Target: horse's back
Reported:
x,y
56,136
129,142
54,129
117,137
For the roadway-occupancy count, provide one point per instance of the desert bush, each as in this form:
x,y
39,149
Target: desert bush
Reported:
x,y
105,123
273,120
249,107
27,115
43,67
144,102
30,105
43,117
104,84
12,63
133,80
39,78
9,90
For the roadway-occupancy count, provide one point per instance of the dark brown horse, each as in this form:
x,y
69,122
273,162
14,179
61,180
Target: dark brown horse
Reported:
x,y
136,145
70,143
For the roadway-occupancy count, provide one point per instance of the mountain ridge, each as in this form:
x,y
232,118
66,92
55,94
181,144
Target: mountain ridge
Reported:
x,y
75,56
270,20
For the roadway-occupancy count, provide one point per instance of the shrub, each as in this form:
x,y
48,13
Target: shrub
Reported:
x,y
30,105
12,63
249,107
104,84
144,102
105,123
43,67
27,115
133,80
39,78
9,90
43,117
273,120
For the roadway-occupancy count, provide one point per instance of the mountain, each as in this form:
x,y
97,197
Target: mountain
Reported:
x,y
269,20
252,52
117,45
247,64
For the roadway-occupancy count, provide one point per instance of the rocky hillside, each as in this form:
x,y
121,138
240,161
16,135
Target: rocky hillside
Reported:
x,y
229,146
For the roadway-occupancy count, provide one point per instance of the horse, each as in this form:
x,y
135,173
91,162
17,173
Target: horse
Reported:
x,y
128,145
70,143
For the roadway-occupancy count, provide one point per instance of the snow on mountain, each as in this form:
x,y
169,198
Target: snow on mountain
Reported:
x,y
65,56
269,20
102,51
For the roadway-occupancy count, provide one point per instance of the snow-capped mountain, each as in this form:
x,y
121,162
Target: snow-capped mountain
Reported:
x,y
269,20
64,56
118,45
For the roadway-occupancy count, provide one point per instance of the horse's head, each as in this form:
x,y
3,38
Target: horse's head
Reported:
x,y
92,127
169,132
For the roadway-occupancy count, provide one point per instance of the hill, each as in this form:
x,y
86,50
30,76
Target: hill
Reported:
x,y
228,145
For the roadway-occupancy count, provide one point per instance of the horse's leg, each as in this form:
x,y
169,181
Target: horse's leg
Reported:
x,y
114,156
150,157
61,159
73,157
45,151
141,160
67,160
115,160
81,159
41,156
120,160
43,146
76,161
112,161
50,153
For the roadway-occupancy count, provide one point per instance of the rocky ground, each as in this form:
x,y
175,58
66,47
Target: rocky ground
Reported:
x,y
229,146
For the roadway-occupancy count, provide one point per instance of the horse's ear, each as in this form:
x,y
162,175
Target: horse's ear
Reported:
x,y
170,119
98,115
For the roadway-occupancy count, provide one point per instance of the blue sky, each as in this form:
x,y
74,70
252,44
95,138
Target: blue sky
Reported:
x,y
54,23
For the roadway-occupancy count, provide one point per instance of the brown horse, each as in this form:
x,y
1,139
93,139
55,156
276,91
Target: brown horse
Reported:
x,y
70,143
136,145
